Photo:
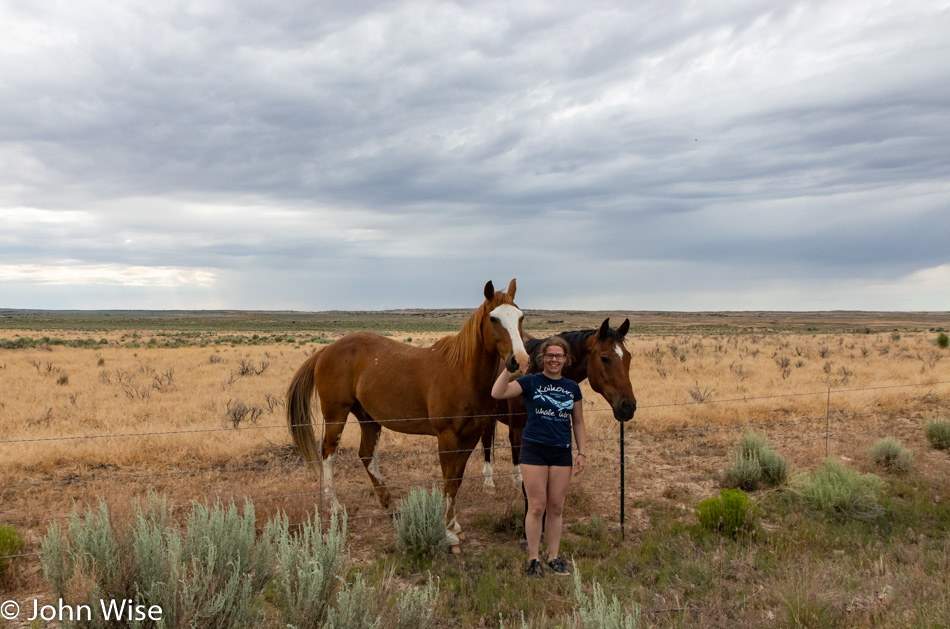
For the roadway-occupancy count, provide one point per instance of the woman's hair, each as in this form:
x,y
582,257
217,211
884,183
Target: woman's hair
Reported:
x,y
558,342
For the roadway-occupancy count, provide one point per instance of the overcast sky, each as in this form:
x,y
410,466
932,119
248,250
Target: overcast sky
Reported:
x,y
653,155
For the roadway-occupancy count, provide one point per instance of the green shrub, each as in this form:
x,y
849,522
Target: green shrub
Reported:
x,y
889,454
11,543
943,340
596,612
730,513
841,492
938,434
420,525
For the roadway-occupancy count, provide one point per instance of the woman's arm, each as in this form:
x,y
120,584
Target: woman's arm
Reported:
x,y
504,387
580,435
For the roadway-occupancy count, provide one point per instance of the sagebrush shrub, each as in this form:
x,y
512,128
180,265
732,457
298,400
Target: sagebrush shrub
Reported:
x,y
416,608
938,434
205,574
889,454
310,565
730,513
420,524
355,603
943,340
841,492
596,612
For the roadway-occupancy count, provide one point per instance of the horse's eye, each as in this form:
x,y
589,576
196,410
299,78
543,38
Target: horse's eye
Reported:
x,y
493,319
604,360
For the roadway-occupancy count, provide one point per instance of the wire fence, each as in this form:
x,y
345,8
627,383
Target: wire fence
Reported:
x,y
318,492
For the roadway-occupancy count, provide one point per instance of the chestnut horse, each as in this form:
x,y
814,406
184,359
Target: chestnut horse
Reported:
x,y
599,355
443,391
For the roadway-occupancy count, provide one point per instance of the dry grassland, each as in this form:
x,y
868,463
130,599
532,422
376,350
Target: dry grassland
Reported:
x,y
112,422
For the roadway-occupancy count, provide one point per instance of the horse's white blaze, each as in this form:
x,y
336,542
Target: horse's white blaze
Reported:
x,y
619,351
509,316
487,472
373,468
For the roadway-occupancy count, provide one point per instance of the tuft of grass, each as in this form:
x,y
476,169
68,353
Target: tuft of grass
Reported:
x,y
943,340
755,463
744,473
420,525
841,492
889,454
938,434
730,513
11,543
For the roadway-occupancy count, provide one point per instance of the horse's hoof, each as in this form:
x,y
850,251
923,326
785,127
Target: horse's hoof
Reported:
x,y
489,482
455,550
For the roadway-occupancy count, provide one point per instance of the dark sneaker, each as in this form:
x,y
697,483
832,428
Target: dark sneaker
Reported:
x,y
558,566
534,569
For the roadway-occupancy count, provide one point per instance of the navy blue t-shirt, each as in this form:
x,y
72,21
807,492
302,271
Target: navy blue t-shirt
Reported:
x,y
549,405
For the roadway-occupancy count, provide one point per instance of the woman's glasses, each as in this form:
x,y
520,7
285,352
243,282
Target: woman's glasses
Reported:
x,y
555,357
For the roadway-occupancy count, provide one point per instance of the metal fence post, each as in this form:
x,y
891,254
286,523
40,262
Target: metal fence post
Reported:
x,y
827,421
623,489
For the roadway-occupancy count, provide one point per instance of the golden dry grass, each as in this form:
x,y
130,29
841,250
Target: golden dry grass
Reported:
x,y
881,386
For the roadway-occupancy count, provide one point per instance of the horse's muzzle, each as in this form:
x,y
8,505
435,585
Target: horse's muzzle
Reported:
x,y
624,411
513,365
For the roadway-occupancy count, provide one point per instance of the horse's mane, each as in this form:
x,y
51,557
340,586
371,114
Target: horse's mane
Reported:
x,y
576,340
465,346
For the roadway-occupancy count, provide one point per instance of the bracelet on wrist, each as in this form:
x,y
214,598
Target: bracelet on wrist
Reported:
x,y
579,453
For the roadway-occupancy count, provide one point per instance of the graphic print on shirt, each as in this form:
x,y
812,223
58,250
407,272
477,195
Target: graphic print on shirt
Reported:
x,y
559,400
550,408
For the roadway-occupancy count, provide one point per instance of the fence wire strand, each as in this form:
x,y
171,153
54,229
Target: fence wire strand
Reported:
x,y
471,477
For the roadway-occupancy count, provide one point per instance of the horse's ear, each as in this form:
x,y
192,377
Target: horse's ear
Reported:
x,y
511,288
604,332
489,291
624,327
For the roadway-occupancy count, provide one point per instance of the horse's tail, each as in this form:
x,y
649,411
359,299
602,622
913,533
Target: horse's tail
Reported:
x,y
299,416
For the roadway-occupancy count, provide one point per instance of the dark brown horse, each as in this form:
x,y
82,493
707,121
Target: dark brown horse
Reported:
x,y
599,355
441,391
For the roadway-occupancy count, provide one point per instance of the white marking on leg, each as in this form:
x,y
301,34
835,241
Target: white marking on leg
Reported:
x,y
452,532
328,465
518,478
373,468
488,473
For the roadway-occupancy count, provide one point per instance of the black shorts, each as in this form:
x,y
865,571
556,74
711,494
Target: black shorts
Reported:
x,y
541,454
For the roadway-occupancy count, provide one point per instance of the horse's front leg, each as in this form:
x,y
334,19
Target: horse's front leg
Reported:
x,y
488,443
453,456
369,455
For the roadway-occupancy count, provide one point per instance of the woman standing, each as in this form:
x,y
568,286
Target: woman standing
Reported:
x,y
554,409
